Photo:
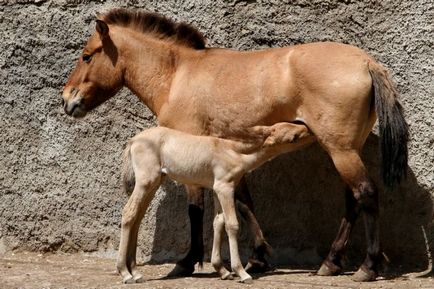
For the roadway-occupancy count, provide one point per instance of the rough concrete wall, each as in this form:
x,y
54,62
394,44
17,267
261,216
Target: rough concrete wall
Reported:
x,y
59,177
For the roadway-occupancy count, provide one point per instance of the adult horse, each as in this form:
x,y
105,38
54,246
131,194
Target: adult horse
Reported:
x,y
334,89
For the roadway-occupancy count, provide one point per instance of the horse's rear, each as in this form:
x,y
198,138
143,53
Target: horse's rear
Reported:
x,y
342,90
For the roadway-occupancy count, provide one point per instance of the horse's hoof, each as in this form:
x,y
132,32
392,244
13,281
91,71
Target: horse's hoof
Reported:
x,y
326,270
247,280
181,271
364,276
228,276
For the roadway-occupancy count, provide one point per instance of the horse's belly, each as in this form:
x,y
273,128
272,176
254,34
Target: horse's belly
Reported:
x,y
224,114
226,120
187,162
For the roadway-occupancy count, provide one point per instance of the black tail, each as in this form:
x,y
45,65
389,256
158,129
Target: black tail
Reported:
x,y
128,177
392,125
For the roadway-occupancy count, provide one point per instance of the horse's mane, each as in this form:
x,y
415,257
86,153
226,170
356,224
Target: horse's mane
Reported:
x,y
156,24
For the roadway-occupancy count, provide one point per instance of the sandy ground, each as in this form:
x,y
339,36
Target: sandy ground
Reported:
x,y
32,270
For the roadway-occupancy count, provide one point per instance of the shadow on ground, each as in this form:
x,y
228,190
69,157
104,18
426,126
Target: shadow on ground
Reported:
x,y
299,201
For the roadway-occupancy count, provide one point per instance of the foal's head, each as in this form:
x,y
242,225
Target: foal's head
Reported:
x,y
97,75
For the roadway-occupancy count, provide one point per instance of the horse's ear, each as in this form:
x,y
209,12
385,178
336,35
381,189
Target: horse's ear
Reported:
x,y
102,28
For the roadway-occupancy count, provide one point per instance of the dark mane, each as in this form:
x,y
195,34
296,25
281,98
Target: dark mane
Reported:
x,y
157,25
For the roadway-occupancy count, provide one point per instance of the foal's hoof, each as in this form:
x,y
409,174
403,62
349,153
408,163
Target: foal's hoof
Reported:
x,y
256,266
227,276
327,270
139,279
247,280
364,276
181,271
128,280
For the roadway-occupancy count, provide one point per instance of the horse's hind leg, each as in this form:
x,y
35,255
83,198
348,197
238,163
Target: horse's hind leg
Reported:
x,y
257,263
132,215
364,199
147,181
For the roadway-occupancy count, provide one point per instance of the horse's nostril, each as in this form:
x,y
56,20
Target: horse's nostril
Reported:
x,y
63,102
74,92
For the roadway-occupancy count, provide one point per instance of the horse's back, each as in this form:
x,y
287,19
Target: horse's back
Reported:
x,y
326,85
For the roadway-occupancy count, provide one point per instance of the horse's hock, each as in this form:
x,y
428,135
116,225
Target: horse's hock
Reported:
x,y
60,177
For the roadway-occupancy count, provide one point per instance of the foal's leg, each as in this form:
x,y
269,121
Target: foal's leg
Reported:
x,y
132,215
225,195
147,172
216,259
185,267
257,263
365,199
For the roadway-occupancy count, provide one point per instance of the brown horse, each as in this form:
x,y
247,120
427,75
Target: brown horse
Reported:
x,y
334,89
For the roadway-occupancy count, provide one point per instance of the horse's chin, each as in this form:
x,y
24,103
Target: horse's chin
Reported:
x,y
79,112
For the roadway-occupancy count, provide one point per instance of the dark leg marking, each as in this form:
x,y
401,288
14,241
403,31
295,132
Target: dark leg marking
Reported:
x,y
185,267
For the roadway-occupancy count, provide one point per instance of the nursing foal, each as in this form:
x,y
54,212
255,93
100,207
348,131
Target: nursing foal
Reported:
x,y
205,161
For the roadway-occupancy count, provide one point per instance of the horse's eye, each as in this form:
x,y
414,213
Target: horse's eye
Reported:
x,y
87,58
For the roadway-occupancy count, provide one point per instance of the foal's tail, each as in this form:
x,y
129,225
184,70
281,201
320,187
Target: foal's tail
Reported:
x,y
128,177
392,125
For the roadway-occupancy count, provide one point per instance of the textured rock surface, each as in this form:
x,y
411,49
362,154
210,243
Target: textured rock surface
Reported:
x,y
59,177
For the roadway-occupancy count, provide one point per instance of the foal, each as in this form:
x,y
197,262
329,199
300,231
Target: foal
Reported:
x,y
205,161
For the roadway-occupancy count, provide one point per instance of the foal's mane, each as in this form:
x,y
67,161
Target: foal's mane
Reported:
x,y
157,25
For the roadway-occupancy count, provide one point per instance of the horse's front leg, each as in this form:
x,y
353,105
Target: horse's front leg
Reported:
x,y
132,216
225,195
185,267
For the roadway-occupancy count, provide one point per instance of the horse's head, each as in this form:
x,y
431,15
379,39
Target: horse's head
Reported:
x,y
97,75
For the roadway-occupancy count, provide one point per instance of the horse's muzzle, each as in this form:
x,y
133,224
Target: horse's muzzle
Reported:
x,y
74,108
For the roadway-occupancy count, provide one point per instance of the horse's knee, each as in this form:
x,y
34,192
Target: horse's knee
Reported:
x,y
128,218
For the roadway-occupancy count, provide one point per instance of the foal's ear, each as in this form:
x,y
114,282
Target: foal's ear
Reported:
x,y
102,28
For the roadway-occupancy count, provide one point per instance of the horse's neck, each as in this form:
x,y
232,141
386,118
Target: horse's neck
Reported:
x,y
149,68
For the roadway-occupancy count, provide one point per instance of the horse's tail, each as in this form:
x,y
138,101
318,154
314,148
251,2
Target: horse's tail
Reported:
x,y
128,177
392,126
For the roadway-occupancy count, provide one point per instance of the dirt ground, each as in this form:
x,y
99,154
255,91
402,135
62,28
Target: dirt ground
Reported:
x,y
32,270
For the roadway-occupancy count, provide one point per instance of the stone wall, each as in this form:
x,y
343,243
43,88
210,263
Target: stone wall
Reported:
x,y
59,177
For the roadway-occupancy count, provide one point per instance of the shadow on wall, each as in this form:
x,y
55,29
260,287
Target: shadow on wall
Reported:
x,y
299,201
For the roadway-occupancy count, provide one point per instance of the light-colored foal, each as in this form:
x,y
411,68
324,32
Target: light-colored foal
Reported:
x,y
204,161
